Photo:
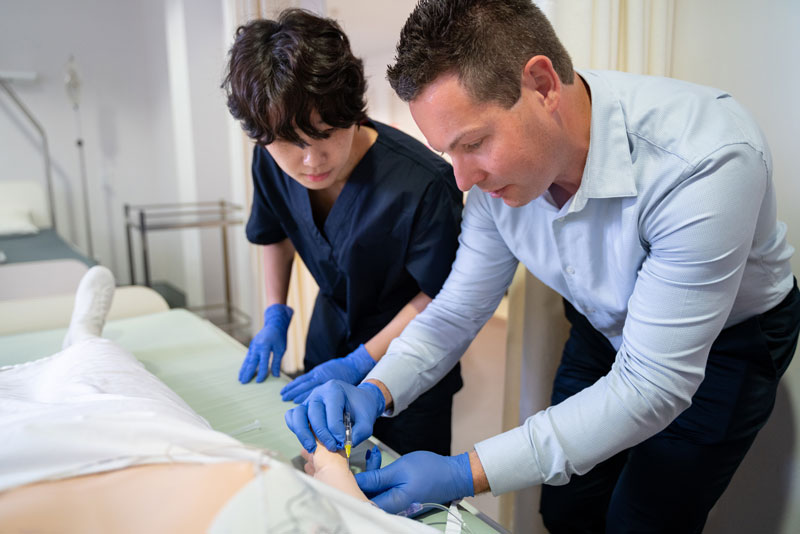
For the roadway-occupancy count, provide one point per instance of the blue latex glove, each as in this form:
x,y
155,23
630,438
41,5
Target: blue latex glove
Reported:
x,y
323,412
374,458
351,369
270,339
418,477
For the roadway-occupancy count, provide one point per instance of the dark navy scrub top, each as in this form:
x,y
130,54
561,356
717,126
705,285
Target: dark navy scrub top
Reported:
x,y
392,232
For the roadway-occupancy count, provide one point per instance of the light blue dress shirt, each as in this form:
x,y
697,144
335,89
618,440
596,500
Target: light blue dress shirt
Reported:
x,y
671,236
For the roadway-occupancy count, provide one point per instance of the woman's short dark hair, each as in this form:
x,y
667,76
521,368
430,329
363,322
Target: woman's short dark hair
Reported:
x,y
486,43
280,71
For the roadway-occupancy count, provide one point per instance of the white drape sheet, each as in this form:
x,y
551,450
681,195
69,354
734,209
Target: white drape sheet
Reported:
x,y
93,407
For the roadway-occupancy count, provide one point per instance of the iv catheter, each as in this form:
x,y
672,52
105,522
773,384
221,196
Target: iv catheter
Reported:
x,y
348,436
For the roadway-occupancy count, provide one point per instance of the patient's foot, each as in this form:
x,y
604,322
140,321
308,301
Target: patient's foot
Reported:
x,y
92,302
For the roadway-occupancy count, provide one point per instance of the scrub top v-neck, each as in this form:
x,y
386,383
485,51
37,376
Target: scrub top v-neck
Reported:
x,y
391,233
336,212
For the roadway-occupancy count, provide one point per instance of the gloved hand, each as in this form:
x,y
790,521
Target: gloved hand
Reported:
x,y
270,339
418,477
373,458
324,410
351,369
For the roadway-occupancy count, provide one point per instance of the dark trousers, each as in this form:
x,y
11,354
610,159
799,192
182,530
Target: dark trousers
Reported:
x,y
669,482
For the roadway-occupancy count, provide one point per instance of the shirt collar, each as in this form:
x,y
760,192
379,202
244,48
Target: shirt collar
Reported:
x,y
609,170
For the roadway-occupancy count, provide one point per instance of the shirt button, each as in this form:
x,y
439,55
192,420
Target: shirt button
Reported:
x,y
570,270
590,310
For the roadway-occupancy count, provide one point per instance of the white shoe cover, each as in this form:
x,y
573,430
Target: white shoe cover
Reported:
x,y
92,302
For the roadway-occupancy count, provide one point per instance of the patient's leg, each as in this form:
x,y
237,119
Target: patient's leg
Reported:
x,y
92,302
91,368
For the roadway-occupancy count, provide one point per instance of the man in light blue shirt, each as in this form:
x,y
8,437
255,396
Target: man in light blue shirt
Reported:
x,y
648,204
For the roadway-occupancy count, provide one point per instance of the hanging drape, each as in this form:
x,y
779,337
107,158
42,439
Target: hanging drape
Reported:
x,y
628,35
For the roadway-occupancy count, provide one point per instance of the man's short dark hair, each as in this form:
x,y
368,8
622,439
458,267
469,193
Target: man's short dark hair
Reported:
x,y
280,71
486,43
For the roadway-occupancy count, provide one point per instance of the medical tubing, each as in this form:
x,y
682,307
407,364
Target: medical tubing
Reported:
x,y
464,527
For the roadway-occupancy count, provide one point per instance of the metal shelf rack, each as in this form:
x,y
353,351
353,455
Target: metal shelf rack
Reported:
x,y
157,217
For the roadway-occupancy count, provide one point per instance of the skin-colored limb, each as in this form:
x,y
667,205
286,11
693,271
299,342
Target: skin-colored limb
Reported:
x,y
123,500
278,258
379,343
479,481
331,468
386,395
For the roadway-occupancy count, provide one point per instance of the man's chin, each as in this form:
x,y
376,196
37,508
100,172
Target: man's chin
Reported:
x,y
513,202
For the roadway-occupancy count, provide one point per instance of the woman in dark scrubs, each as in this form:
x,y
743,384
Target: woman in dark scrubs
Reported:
x,y
373,213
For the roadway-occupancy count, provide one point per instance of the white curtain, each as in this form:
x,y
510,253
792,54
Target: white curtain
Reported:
x,y
628,35
302,287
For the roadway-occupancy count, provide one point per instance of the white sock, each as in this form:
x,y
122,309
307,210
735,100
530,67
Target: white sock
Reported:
x,y
92,302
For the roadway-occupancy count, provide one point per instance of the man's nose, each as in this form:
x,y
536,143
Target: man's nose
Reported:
x,y
466,174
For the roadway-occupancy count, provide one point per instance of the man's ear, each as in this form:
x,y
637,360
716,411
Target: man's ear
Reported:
x,y
539,76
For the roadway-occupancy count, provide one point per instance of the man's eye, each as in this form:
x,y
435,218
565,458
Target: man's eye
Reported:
x,y
473,146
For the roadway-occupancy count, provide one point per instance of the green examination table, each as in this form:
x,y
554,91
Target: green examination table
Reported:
x,y
201,363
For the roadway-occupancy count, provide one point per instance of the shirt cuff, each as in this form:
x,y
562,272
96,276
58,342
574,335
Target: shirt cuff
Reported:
x,y
395,375
509,461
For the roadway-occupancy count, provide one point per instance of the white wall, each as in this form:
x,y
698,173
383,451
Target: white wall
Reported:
x,y
119,52
155,126
374,29
750,49
207,44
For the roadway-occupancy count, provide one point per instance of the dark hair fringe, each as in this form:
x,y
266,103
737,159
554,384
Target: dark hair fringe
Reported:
x,y
279,72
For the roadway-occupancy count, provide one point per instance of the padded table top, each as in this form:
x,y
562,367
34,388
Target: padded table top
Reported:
x,y
197,361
